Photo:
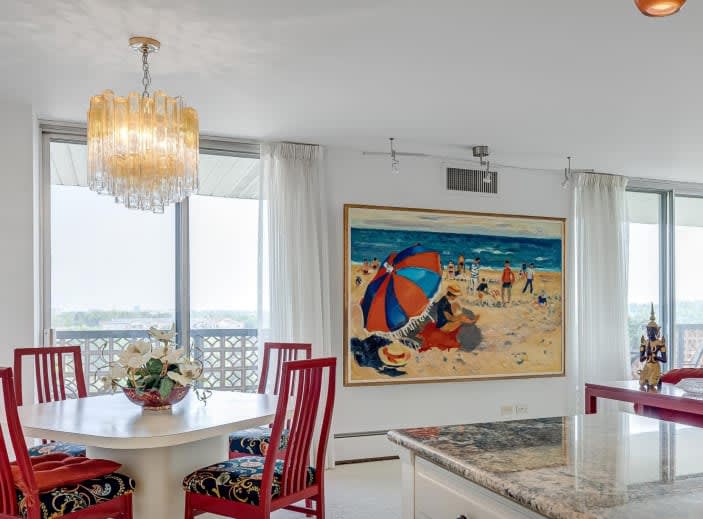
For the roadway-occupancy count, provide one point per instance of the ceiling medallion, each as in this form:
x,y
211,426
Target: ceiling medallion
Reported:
x,y
143,149
659,8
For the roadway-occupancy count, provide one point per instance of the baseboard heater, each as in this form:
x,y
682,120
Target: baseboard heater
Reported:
x,y
362,434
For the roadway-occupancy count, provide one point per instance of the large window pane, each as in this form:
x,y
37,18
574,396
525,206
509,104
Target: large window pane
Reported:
x,y
689,282
643,266
112,269
223,271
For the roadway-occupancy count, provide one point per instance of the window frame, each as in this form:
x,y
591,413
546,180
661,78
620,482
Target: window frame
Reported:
x,y
668,191
75,133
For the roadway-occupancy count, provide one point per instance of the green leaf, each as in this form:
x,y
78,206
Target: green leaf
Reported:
x,y
166,387
150,382
154,366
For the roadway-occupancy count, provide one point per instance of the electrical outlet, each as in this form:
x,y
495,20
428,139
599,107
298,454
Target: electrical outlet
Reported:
x,y
506,410
520,408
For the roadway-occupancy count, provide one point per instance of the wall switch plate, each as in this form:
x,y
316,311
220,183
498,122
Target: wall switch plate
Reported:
x,y
520,408
506,410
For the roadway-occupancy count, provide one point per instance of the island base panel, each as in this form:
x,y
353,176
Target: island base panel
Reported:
x,y
442,494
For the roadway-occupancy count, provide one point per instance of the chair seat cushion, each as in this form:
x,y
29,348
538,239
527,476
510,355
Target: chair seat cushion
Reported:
x,y
59,469
255,441
71,449
66,499
238,479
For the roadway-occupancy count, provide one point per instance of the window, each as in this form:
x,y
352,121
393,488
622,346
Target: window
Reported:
x,y
644,268
688,312
223,271
111,273
666,233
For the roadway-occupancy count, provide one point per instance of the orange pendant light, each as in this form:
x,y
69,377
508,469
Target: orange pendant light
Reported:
x,y
659,8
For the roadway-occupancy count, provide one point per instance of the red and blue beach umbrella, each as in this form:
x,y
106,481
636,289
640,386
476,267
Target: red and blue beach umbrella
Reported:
x,y
402,289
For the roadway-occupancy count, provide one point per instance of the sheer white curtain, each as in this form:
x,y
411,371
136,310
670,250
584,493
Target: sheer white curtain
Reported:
x,y
599,249
294,261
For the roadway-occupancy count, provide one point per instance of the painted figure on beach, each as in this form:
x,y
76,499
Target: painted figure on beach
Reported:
x,y
529,278
475,271
429,296
507,279
443,332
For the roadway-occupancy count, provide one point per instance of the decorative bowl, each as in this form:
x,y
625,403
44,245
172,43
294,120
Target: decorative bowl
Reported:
x,y
152,401
691,385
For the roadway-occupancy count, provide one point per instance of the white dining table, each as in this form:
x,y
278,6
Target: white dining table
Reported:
x,y
157,449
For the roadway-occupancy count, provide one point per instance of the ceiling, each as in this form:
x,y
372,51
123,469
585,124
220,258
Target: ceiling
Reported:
x,y
536,80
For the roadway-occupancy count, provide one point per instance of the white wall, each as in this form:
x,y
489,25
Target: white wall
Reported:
x,y
16,229
353,178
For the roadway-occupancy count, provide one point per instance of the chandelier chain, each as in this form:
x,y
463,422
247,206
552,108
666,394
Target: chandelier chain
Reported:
x,y
146,80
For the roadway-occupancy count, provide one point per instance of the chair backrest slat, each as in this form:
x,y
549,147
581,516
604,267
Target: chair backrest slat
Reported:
x,y
53,359
284,352
315,381
8,497
49,372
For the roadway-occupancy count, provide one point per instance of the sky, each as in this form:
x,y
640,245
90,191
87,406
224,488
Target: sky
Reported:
x,y
644,263
105,256
454,222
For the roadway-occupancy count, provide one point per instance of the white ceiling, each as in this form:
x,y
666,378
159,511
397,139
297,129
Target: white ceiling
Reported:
x,y
536,80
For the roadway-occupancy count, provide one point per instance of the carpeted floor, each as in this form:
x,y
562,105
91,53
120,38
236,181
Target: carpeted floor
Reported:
x,y
360,491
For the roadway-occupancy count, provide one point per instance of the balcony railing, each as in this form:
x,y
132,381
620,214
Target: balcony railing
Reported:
x,y
230,357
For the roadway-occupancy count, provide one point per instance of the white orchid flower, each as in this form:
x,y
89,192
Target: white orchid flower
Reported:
x,y
106,382
140,347
166,335
179,379
135,360
173,356
192,370
117,372
158,352
124,356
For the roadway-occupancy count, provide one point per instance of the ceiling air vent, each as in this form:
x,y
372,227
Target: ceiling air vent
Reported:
x,y
472,180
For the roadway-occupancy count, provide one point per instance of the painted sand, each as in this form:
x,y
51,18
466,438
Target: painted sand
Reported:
x,y
522,339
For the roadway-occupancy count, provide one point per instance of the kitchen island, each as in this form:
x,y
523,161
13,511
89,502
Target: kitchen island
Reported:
x,y
602,466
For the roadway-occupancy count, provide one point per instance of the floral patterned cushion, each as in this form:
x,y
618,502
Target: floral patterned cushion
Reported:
x,y
255,442
62,501
238,479
50,448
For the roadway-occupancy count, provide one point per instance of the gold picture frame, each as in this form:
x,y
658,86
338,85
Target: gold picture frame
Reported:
x,y
425,297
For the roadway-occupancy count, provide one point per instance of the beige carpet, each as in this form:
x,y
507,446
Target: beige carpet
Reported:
x,y
360,491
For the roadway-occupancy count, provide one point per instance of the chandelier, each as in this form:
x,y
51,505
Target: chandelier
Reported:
x,y
659,8
143,148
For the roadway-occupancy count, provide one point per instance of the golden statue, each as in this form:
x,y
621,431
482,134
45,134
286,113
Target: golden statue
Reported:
x,y
652,352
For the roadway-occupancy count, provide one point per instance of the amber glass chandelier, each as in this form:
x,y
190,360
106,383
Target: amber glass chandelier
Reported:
x,y
143,148
659,8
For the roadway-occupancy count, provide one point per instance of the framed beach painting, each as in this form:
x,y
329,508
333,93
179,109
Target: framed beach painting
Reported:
x,y
434,296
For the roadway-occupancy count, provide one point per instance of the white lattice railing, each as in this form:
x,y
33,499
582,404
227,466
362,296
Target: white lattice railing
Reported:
x,y
230,357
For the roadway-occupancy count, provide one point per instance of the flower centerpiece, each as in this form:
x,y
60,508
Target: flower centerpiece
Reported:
x,y
154,377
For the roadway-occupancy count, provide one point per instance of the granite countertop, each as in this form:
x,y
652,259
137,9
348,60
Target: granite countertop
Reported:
x,y
602,466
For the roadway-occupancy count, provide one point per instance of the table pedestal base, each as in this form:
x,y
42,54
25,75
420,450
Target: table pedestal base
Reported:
x,y
159,473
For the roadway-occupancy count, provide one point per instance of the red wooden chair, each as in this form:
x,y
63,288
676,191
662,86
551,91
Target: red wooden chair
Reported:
x,y
23,484
255,441
51,383
254,486
674,376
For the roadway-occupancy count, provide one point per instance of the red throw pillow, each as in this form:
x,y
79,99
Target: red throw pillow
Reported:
x,y
53,470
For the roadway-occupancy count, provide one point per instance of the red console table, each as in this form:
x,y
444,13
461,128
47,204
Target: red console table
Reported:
x,y
668,397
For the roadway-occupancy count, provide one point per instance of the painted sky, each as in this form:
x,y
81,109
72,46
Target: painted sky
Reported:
x,y
366,218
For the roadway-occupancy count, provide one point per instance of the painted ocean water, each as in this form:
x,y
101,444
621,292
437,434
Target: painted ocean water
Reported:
x,y
545,253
